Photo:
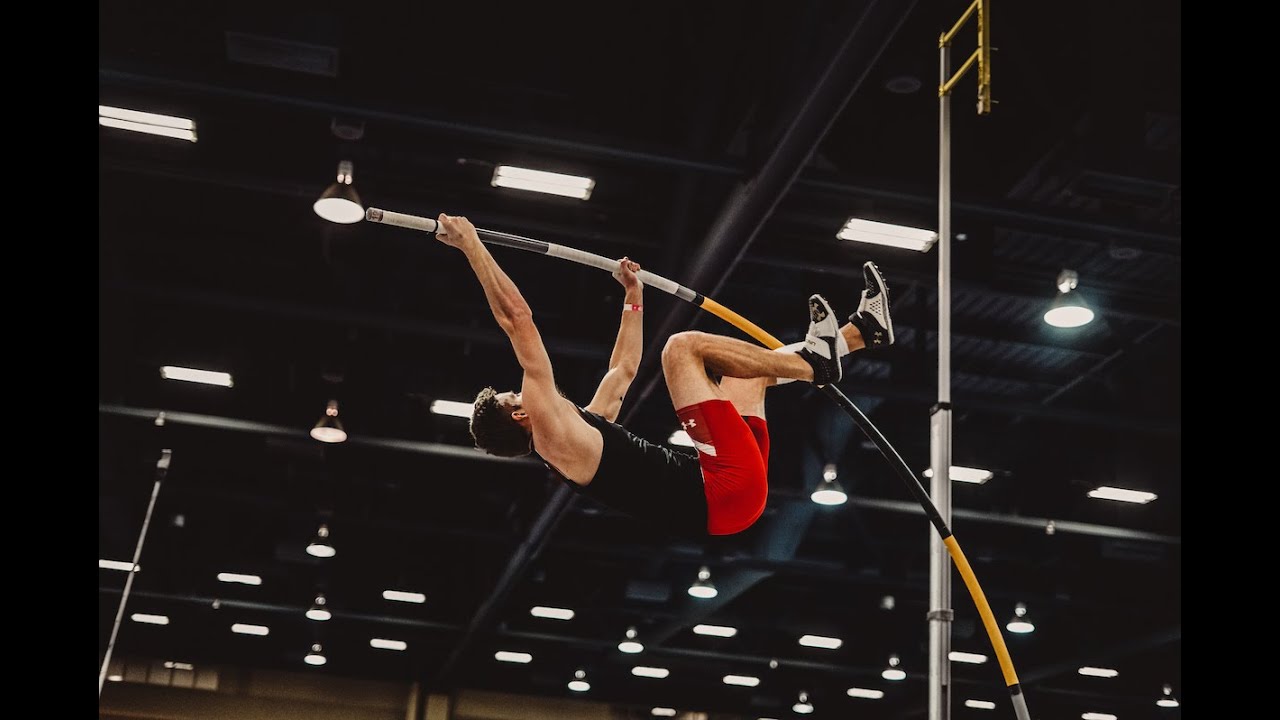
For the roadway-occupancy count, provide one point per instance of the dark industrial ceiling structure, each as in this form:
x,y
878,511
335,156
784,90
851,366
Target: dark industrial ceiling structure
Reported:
x,y
729,142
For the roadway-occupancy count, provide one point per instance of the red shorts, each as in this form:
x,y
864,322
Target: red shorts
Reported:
x,y
733,451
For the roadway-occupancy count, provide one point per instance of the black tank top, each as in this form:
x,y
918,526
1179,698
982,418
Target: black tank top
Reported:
x,y
654,484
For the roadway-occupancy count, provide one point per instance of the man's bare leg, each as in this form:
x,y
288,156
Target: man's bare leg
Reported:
x,y
688,355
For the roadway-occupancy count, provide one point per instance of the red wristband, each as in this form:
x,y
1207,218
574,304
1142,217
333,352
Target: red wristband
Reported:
x,y
632,307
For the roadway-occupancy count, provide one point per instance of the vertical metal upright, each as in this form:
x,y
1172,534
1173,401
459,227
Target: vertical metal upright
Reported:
x,y
941,614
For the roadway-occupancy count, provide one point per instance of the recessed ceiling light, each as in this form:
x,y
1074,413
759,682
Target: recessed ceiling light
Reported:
x,y
715,630
384,644
1122,495
551,613
867,693
204,377
402,596
238,578
819,641
150,619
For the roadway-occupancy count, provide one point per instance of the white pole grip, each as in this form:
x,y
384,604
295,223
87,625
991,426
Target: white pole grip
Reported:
x,y
413,222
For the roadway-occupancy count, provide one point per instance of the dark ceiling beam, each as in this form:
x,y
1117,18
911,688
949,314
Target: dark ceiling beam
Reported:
x,y
1037,523
805,120
215,422
890,391
865,33
1026,217
1099,366
1115,651
1118,301
1156,239
789,567
1164,311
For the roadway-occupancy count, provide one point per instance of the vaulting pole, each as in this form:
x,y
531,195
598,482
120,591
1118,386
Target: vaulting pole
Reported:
x,y
493,237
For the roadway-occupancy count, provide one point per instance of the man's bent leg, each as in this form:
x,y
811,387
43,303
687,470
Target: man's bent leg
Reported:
x,y
734,472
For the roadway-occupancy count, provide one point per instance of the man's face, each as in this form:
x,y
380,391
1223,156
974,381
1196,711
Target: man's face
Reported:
x,y
510,400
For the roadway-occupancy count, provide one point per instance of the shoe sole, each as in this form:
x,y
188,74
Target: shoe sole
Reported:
x,y
819,309
884,292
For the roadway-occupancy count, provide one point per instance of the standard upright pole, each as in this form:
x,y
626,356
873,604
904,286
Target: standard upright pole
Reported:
x,y
162,469
941,613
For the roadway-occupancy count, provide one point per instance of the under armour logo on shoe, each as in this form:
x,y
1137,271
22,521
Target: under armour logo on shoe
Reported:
x,y
686,424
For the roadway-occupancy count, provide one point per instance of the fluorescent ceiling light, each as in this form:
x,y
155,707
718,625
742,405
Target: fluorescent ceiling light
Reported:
x,y
630,646
402,596
116,565
865,693
803,708
715,630
681,438
452,408
980,704
819,641
383,644
150,619
116,678
878,233
315,658
145,122
246,629
967,657
663,712
965,474
1162,702
519,178
206,377
138,116
1098,672
1129,496
894,673
743,680
551,613
238,578
319,614
512,657
650,672
178,665
579,685
1097,716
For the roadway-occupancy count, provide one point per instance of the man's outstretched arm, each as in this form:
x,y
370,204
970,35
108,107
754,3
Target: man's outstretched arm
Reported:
x,y
505,301
625,360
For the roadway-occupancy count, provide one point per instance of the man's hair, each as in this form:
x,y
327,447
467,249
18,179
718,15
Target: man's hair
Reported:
x,y
494,430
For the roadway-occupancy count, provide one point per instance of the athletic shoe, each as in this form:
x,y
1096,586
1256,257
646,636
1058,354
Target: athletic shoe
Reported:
x,y
821,343
872,318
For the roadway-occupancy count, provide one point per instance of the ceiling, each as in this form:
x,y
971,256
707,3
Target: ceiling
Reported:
x,y
729,142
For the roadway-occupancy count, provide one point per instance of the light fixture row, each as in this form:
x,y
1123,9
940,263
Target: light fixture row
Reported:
x,y
340,203
892,672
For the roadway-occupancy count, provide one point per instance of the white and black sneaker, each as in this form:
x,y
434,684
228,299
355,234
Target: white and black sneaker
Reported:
x,y
821,343
872,318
